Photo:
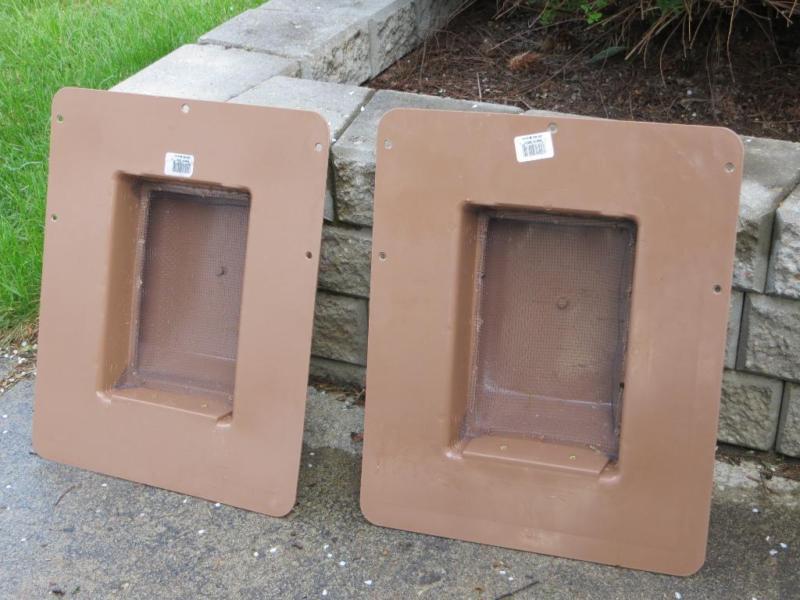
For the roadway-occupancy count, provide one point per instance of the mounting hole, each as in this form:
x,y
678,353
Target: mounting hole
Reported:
x,y
382,255
54,217
318,147
185,108
717,289
60,118
552,127
387,144
729,167
308,254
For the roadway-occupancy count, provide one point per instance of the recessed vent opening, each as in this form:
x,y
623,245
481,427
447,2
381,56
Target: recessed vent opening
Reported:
x,y
190,259
551,327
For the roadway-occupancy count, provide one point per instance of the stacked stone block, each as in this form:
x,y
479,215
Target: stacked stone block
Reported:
x,y
348,41
760,407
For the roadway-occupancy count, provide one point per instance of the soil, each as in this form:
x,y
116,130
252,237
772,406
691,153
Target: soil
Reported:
x,y
754,88
769,464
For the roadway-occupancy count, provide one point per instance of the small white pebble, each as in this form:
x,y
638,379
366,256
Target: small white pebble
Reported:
x,y
773,552
141,514
5,431
23,539
8,486
201,532
310,465
362,109
273,550
324,592
678,596
329,555
511,578
185,500
368,582
255,554
755,510
217,504
768,537
5,416
342,563
784,545
326,546
103,485
502,572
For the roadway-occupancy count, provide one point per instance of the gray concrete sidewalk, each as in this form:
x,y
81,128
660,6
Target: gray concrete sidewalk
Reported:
x,y
70,533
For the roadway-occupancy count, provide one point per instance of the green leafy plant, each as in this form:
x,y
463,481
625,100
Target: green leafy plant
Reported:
x,y
636,23
592,10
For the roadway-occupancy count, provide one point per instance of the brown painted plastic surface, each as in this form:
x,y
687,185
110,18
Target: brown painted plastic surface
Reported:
x,y
185,374
438,175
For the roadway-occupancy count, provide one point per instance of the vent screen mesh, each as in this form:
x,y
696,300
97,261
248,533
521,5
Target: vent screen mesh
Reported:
x,y
553,303
192,265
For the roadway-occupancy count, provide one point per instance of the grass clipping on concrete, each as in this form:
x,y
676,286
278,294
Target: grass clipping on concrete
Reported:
x,y
46,45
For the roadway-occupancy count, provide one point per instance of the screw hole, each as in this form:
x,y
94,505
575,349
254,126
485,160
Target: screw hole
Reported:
x,y
185,108
382,255
318,147
552,127
729,168
309,255
387,144
54,217
717,289
60,118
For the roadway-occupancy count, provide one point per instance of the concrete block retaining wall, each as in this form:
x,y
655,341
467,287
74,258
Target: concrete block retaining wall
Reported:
x,y
336,45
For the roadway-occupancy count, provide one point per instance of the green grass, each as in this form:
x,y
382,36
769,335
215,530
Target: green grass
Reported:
x,y
46,45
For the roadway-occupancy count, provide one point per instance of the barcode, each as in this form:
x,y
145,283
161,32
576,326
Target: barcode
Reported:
x,y
534,146
179,165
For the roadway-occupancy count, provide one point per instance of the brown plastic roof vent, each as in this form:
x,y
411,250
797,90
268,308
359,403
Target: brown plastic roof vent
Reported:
x,y
552,314
178,293
548,310
186,310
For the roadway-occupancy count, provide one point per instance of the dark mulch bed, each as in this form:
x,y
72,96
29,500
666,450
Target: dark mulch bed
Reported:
x,y
754,89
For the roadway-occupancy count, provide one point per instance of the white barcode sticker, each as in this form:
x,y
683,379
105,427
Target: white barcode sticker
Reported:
x,y
179,165
535,146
